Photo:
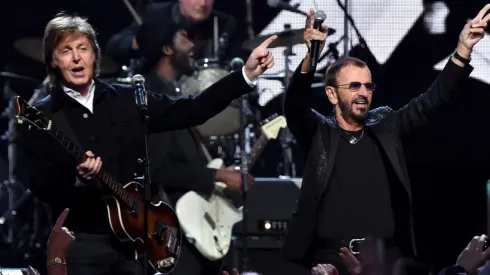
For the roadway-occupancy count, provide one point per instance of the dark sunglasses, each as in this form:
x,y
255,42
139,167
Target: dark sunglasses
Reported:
x,y
356,85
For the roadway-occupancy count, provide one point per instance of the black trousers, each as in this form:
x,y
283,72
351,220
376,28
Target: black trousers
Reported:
x,y
101,255
191,262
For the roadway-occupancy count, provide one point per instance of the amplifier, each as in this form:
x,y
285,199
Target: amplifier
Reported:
x,y
270,202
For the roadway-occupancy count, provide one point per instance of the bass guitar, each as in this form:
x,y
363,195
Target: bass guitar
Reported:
x,y
125,205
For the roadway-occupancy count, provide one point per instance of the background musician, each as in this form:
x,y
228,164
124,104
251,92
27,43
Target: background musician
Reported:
x,y
178,159
197,18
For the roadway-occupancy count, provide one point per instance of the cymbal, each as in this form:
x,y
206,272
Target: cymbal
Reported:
x,y
284,39
280,76
17,76
32,47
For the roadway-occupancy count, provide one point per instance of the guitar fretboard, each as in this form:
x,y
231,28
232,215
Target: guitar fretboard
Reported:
x,y
258,148
103,175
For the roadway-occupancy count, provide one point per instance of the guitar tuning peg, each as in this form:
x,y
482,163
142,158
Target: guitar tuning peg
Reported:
x,y
19,121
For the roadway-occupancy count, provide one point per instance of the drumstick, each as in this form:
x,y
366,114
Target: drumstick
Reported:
x,y
133,12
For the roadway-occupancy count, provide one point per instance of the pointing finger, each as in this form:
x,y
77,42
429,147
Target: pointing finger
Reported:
x,y
61,219
268,41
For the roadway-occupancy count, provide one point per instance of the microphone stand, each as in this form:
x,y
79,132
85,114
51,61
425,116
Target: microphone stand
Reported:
x,y
243,153
146,184
348,19
244,172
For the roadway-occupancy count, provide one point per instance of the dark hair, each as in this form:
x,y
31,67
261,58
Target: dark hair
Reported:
x,y
334,69
56,30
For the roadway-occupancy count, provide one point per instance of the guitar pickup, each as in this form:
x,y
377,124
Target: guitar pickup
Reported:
x,y
159,233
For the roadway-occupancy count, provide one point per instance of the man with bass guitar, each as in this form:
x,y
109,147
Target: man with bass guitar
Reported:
x,y
105,122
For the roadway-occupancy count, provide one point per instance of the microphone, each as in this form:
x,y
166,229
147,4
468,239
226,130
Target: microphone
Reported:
x,y
140,94
320,16
284,6
236,63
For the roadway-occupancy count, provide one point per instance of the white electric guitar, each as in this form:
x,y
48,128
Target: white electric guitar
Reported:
x,y
208,223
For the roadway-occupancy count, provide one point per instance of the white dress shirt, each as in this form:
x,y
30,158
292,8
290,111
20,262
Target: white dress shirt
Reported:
x,y
87,101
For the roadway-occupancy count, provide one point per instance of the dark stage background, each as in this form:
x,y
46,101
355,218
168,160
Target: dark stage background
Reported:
x,y
408,43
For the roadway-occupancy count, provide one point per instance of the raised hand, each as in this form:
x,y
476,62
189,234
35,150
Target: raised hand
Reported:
x,y
474,30
313,34
60,238
350,261
473,256
260,59
235,272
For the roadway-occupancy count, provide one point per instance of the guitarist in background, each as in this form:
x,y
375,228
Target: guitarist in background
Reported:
x,y
178,160
104,120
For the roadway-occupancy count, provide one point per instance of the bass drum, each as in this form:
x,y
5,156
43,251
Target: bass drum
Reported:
x,y
209,71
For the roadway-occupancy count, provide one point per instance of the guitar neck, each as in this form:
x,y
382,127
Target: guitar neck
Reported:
x,y
103,176
257,150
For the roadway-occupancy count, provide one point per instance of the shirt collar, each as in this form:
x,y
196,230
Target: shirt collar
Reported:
x,y
74,93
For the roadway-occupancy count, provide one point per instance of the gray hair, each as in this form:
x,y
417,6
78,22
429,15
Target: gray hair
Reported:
x,y
56,30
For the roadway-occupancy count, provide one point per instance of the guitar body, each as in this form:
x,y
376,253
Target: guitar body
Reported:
x,y
208,223
164,232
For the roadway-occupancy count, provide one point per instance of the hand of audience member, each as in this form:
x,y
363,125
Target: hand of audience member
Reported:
x,y
32,271
473,256
324,269
60,238
350,261
235,272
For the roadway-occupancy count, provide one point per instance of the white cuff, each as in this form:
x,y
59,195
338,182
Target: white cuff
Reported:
x,y
249,82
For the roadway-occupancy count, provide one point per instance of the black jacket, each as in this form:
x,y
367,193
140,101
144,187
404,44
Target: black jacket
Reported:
x,y
116,135
119,45
320,135
178,163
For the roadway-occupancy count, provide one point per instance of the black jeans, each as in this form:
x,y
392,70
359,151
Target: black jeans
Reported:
x,y
101,255
191,262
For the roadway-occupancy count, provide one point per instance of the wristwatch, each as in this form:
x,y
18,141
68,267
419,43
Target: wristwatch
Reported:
x,y
57,261
462,59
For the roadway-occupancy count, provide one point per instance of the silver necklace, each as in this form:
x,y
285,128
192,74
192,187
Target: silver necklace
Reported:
x,y
353,139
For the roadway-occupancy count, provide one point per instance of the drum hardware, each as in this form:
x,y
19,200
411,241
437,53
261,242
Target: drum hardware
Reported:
x,y
209,71
17,76
18,195
288,37
31,47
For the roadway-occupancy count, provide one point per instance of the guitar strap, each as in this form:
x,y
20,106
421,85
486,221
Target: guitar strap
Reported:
x,y
60,120
199,139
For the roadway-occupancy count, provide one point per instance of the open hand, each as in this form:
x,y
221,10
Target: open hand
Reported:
x,y
90,167
260,59
324,269
235,272
473,256
313,34
474,30
60,238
